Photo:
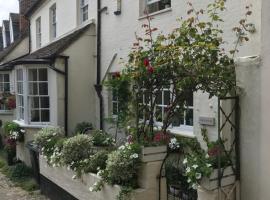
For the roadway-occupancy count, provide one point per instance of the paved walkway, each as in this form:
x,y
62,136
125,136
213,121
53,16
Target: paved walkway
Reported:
x,y
9,192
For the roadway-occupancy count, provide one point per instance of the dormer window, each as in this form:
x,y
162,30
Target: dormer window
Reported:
x,y
83,10
38,32
53,22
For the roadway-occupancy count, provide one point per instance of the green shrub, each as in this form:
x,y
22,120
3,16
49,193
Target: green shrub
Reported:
x,y
122,166
13,131
19,171
76,150
96,162
81,127
47,139
102,139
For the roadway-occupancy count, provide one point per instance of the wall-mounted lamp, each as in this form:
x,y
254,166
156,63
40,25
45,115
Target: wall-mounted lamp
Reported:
x,y
118,7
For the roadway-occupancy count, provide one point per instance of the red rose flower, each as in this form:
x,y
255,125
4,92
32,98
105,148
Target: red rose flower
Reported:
x,y
146,62
150,69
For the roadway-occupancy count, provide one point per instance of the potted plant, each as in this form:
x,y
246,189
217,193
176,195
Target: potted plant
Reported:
x,y
14,131
10,148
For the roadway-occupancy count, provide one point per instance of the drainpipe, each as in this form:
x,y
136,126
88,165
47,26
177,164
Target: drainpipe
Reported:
x,y
98,85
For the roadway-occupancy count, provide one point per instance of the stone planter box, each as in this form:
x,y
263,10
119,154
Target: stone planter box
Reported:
x,y
151,154
79,188
208,189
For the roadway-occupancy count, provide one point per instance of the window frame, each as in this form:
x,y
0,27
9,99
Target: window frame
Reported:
x,y
144,7
174,129
26,97
84,9
38,33
2,90
53,22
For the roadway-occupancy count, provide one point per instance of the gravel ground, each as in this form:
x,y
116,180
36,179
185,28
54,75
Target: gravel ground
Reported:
x,y
9,192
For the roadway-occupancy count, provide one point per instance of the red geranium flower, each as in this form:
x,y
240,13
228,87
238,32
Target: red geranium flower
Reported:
x,y
116,74
11,103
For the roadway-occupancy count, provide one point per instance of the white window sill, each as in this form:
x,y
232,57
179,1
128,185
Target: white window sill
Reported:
x,y
6,112
156,13
37,126
182,132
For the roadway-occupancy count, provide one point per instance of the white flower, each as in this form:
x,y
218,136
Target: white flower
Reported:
x,y
185,161
206,156
208,165
91,189
74,177
198,176
194,186
128,127
99,173
174,144
23,131
135,155
188,169
195,166
121,147
189,180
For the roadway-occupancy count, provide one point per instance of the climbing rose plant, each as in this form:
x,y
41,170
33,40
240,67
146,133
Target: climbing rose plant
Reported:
x,y
190,58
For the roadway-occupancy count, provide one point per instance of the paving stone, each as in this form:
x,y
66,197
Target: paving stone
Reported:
x,y
9,192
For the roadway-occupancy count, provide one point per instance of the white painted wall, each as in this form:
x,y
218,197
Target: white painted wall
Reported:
x,y
11,31
67,18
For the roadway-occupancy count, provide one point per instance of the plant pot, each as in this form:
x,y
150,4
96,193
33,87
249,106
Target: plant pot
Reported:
x,y
156,153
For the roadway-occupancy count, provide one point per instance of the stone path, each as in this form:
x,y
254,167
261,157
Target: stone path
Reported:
x,y
10,192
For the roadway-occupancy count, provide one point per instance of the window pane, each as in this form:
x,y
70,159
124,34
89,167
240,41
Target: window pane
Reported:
x,y
114,95
20,88
6,87
43,75
35,116
166,97
178,119
6,78
43,88
35,102
158,114
44,102
189,117
159,98
1,87
19,75
45,115
32,75
21,113
33,88
190,99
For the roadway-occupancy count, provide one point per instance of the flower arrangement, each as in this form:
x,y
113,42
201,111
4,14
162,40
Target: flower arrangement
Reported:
x,y
122,169
102,139
14,131
8,100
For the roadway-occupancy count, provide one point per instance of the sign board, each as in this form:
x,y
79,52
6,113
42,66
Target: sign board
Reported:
x,y
210,121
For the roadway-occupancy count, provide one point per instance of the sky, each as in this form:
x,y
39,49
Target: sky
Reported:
x,y
7,6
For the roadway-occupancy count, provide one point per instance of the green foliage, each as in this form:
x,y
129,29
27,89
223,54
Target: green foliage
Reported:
x,y
76,150
96,162
48,139
83,126
122,166
102,139
19,170
190,58
13,131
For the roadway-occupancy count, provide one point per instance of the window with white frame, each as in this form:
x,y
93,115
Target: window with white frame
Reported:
x,y
115,103
83,10
38,32
4,86
33,95
151,6
181,120
20,94
53,22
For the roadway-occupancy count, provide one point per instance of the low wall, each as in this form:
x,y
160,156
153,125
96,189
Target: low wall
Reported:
x,y
21,149
79,188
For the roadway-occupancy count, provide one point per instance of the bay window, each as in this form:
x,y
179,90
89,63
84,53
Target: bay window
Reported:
x,y
33,101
